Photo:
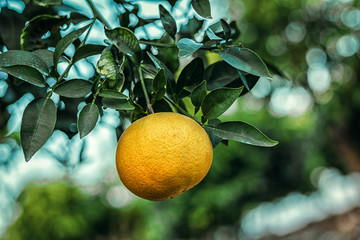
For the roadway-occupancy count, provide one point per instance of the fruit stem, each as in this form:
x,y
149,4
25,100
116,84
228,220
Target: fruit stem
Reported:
x,y
147,99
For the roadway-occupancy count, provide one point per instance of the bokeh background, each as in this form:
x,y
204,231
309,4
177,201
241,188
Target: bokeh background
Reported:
x,y
307,187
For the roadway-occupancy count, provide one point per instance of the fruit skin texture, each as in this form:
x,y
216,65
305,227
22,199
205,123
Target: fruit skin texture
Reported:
x,y
163,155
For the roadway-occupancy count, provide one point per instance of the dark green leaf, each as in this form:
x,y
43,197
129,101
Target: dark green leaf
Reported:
x,y
245,60
167,21
24,58
220,74
198,94
242,132
118,104
191,27
226,29
159,84
202,7
46,55
191,75
14,23
110,65
109,93
66,41
218,101
187,47
86,51
88,118
25,73
76,17
126,42
31,37
170,86
74,88
37,125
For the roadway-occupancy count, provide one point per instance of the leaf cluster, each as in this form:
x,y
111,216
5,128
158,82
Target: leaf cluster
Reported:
x,y
131,77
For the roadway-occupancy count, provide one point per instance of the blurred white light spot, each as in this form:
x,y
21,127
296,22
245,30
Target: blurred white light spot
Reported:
x,y
295,32
290,101
119,196
347,45
3,88
351,18
319,79
262,88
315,57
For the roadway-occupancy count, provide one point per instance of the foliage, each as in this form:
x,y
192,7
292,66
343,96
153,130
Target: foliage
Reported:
x,y
131,76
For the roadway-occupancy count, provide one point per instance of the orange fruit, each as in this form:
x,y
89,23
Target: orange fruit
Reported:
x,y
163,155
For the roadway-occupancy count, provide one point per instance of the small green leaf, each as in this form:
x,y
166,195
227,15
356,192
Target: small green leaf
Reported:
x,y
198,94
110,65
74,88
191,75
187,47
212,36
66,41
226,29
202,7
125,40
46,3
167,21
170,86
218,101
243,79
118,104
86,51
242,132
245,60
109,93
37,125
88,118
24,58
219,75
158,86
25,73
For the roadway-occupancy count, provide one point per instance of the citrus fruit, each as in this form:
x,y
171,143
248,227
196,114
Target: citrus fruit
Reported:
x,y
163,155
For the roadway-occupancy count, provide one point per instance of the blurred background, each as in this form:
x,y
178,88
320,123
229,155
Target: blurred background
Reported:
x,y
307,187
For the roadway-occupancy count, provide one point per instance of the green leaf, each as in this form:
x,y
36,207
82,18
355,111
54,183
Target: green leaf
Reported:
x,y
187,47
110,65
109,93
125,40
198,95
37,125
66,41
202,7
212,36
46,3
243,79
215,140
242,132
226,29
24,58
74,88
46,55
167,21
25,73
245,60
218,101
86,51
31,37
88,118
118,104
191,75
158,86
170,86
220,74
